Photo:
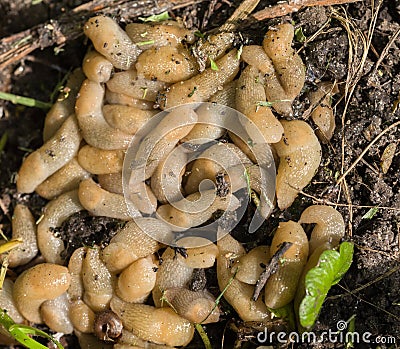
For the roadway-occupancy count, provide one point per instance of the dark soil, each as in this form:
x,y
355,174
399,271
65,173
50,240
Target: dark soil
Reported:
x,y
370,291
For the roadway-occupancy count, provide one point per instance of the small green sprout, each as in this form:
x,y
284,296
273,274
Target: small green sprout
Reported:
x,y
299,35
214,65
199,34
156,18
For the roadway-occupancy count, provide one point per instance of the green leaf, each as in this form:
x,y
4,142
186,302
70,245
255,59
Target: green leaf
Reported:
x,y
199,34
371,213
213,64
21,333
331,267
300,37
156,18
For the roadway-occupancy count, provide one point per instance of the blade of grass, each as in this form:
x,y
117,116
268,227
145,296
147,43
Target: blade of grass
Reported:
x,y
203,335
26,101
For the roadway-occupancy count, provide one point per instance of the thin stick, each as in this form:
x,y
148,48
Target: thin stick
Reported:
x,y
270,269
354,164
280,9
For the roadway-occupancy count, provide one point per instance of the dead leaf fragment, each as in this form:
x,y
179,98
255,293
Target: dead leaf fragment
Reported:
x,y
387,157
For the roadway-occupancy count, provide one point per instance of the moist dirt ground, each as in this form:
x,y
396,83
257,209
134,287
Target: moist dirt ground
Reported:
x,y
358,46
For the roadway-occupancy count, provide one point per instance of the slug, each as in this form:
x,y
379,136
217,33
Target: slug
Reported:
x,y
248,268
129,83
64,106
82,317
202,86
249,94
159,142
137,281
76,288
67,178
96,67
287,80
50,157
113,98
55,213
7,302
100,161
195,209
126,118
98,282
111,41
281,287
200,252
210,124
166,63
24,228
158,325
94,128
55,314
36,285
197,307
299,153
329,225
111,182
238,294
322,113
166,181
137,239
100,202
220,156
165,34
173,272
142,197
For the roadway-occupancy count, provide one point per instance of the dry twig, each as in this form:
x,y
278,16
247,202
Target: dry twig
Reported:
x,y
282,9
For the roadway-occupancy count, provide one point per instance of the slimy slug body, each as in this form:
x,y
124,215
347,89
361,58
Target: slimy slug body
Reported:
x,y
137,239
167,63
201,87
136,282
95,129
329,225
67,178
24,228
40,283
250,93
64,106
55,314
101,161
49,158
56,212
96,67
98,282
129,83
299,152
286,82
281,287
111,41
100,202
164,34
238,294
158,325
126,118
